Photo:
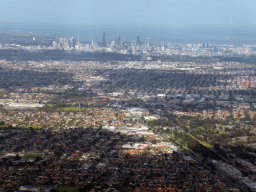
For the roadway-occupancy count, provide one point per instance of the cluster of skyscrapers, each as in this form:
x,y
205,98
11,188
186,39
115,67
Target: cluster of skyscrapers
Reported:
x,y
71,43
67,43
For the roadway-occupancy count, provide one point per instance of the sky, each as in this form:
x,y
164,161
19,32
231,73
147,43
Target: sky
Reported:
x,y
180,21
130,13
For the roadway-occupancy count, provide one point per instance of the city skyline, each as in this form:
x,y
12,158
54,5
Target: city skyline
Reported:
x,y
127,95
182,22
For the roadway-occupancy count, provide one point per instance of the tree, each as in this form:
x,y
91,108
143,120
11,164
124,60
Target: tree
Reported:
x,y
4,159
17,157
87,187
38,159
246,116
248,139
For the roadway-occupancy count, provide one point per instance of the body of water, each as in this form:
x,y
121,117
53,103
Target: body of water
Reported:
x,y
156,35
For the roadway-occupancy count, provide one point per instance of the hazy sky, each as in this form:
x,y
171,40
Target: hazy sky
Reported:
x,y
147,13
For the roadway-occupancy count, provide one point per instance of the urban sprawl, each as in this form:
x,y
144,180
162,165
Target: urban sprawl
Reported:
x,y
126,115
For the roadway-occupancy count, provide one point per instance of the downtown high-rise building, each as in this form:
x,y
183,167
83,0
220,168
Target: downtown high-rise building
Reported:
x,y
119,40
138,40
104,42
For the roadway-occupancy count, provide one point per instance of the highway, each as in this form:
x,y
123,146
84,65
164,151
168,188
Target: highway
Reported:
x,y
199,159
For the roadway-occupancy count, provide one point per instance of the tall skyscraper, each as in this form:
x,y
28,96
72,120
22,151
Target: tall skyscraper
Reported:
x,y
71,43
119,40
138,40
77,45
162,46
112,44
78,40
104,42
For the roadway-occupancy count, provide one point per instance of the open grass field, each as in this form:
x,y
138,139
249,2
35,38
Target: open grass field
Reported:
x,y
71,108
33,127
149,120
202,142
34,155
3,126
24,127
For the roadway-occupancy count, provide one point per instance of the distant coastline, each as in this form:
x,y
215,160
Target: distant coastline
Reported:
x,y
218,36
